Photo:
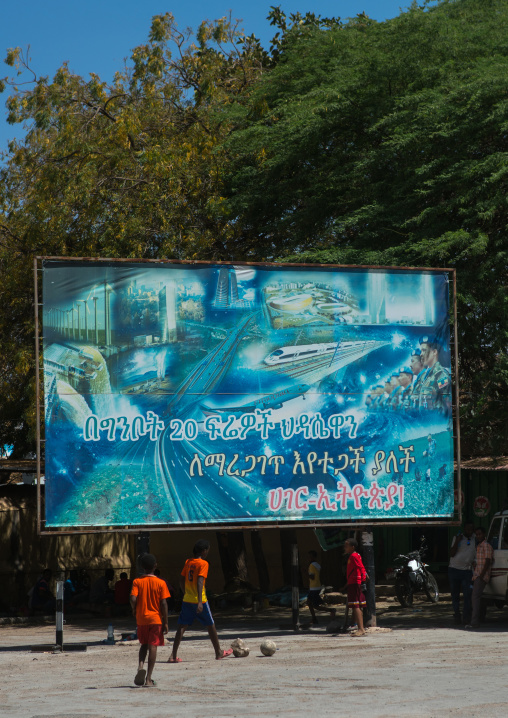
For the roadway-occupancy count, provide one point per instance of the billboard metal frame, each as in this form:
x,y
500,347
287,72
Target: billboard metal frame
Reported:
x,y
275,524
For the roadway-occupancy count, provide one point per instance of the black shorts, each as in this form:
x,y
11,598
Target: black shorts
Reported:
x,y
314,598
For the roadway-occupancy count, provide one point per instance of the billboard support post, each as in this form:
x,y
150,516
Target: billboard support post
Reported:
x,y
295,587
37,396
367,552
457,394
59,615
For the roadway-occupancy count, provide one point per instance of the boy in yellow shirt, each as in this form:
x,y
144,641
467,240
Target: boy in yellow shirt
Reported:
x,y
314,599
195,604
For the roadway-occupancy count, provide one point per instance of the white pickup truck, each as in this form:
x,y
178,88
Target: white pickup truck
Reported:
x,y
496,591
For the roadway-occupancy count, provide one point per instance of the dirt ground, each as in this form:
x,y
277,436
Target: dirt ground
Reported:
x,y
418,664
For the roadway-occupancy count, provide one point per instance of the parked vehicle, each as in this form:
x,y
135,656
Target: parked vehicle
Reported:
x,y
412,576
496,591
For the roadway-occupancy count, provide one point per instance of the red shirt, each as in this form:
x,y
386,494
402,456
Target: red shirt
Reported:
x,y
122,591
355,571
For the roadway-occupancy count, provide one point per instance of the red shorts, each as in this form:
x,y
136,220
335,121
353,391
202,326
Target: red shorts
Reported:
x,y
151,635
355,597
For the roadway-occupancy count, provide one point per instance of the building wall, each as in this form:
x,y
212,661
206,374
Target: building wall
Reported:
x,y
23,555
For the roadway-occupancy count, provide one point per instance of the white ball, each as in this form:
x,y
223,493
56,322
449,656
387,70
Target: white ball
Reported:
x,y
268,647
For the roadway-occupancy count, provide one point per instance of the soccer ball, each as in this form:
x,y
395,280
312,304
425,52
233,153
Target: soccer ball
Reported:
x,y
268,647
239,647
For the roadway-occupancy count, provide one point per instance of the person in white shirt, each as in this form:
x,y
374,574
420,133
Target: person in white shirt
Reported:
x,y
460,572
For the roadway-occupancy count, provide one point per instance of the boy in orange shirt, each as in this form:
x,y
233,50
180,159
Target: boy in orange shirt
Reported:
x,y
195,604
149,607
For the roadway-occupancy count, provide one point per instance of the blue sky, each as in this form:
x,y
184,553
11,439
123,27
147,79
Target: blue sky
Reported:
x,y
97,35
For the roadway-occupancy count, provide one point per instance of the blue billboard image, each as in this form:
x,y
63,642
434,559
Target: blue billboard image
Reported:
x,y
200,393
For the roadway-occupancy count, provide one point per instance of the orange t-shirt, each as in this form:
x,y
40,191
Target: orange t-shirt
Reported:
x,y
194,567
150,591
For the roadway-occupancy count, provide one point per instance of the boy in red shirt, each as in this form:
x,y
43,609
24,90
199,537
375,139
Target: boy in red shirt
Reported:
x,y
195,604
356,575
149,606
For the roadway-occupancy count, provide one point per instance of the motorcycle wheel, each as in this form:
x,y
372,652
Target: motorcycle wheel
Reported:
x,y
404,593
431,588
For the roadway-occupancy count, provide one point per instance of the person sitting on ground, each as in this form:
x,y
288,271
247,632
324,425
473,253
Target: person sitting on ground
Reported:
x,y
314,599
195,604
149,607
42,598
356,576
123,590
100,592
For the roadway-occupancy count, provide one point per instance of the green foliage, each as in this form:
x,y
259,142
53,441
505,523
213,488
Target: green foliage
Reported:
x,y
294,29
128,170
347,142
386,143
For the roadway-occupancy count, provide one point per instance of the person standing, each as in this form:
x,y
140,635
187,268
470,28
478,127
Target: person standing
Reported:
x,y
481,574
148,603
314,599
460,572
356,576
123,590
195,603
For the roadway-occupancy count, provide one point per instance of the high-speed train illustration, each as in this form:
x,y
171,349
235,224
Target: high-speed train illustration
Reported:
x,y
269,401
308,351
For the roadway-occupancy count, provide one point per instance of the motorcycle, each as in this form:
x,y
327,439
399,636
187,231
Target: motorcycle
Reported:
x,y
413,576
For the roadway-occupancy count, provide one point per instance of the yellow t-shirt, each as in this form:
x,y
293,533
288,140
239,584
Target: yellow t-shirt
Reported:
x,y
194,567
315,569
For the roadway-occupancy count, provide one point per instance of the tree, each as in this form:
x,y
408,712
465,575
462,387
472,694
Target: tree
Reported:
x,y
386,143
131,169
356,142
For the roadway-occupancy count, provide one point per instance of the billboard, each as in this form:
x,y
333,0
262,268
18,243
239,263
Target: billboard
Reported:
x,y
195,393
